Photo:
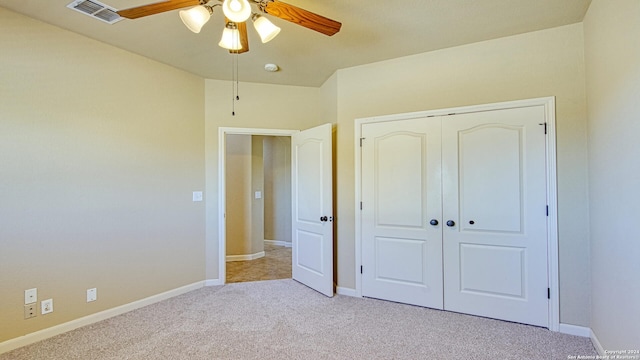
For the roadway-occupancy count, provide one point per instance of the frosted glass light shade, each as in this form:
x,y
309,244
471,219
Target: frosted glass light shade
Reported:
x,y
265,28
236,10
195,18
230,39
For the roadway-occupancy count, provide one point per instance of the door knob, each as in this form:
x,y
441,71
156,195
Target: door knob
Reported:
x,y
433,222
324,218
451,223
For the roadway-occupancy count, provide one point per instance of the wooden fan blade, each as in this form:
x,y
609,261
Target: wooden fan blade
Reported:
x,y
244,39
302,17
152,9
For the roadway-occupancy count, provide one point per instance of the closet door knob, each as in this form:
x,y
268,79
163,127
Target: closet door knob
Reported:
x,y
324,218
451,223
433,222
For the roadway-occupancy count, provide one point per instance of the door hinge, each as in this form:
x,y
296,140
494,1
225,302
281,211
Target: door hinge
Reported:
x,y
360,269
360,205
548,293
545,127
361,141
547,210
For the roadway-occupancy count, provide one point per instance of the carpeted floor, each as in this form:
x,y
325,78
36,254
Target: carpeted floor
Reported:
x,y
282,319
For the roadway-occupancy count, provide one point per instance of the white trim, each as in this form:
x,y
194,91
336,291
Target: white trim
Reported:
x,y
358,198
552,199
552,219
222,203
346,291
574,330
213,282
94,318
279,243
595,342
248,257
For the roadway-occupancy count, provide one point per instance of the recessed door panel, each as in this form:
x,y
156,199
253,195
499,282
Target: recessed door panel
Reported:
x,y
400,260
492,270
310,152
490,176
309,252
400,180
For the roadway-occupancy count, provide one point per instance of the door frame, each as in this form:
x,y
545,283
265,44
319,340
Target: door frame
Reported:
x,y
551,181
222,187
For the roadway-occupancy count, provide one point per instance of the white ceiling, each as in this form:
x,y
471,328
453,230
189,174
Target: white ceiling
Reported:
x,y
372,30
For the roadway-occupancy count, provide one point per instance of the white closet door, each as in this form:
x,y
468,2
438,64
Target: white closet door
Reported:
x,y
494,194
401,250
312,208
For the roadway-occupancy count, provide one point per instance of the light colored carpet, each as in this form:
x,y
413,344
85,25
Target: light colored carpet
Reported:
x,y
282,319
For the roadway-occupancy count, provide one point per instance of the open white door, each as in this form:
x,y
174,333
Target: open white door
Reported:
x,y
312,208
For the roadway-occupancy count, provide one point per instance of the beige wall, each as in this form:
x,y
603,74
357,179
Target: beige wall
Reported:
x,y
543,63
260,106
257,163
612,55
100,151
277,188
239,203
257,205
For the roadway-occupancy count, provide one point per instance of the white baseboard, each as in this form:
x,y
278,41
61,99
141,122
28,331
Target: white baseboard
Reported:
x,y
278,243
346,291
34,337
213,282
596,343
574,330
258,255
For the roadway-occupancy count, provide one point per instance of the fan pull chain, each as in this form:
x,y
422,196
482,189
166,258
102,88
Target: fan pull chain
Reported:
x,y
235,82
237,76
233,89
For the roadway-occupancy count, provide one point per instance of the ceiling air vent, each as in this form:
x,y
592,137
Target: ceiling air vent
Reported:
x,y
96,10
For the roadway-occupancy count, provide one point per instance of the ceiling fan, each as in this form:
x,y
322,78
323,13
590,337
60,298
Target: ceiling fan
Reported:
x,y
237,12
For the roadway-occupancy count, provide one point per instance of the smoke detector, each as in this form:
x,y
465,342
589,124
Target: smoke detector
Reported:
x,y
96,10
271,67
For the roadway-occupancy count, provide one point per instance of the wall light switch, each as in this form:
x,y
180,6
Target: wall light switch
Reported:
x,y
197,196
30,296
92,295
258,194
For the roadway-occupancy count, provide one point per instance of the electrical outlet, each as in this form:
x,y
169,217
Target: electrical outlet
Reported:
x,y
30,296
30,311
92,295
47,306
197,196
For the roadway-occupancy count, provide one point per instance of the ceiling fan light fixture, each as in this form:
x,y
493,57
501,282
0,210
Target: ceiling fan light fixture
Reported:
x,y
230,38
236,10
265,28
195,18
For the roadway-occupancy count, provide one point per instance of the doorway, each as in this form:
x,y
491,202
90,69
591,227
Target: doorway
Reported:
x,y
258,216
311,203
